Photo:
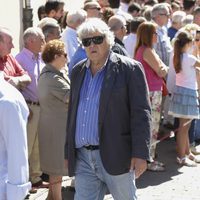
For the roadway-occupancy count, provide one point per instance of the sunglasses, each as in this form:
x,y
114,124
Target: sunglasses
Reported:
x,y
64,54
96,40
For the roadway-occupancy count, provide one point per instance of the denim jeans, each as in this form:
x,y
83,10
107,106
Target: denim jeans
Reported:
x,y
92,181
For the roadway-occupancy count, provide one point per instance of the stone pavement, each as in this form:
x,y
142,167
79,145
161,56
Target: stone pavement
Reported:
x,y
173,184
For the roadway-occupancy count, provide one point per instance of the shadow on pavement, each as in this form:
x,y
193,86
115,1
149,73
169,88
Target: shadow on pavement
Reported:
x,y
167,155
67,193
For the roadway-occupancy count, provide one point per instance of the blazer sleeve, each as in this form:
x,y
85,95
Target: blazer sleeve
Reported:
x,y
60,88
140,112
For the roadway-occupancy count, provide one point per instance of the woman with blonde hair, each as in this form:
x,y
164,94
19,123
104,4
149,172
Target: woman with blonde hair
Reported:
x,y
53,89
154,70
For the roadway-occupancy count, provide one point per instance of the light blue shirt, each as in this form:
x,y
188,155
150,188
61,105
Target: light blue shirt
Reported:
x,y
163,47
88,109
79,55
14,169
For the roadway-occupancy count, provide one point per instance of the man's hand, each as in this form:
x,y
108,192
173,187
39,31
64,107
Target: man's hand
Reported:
x,y
20,82
139,165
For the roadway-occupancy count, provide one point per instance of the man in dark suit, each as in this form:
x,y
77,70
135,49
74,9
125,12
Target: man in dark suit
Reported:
x,y
108,126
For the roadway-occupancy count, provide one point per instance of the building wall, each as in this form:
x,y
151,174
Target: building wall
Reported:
x,y
11,16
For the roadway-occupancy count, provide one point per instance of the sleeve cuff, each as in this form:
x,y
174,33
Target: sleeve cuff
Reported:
x,y
17,192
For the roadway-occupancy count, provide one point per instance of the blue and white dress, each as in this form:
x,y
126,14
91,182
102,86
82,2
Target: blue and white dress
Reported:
x,y
184,102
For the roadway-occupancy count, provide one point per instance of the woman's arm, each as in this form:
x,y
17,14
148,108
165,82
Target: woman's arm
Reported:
x,y
197,63
155,62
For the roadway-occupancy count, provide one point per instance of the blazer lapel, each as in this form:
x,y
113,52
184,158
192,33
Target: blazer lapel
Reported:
x,y
107,86
77,85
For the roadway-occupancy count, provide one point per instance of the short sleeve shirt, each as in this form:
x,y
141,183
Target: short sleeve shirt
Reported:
x,y
187,76
11,67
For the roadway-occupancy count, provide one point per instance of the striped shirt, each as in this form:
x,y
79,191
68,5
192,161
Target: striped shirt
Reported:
x,y
88,109
163,46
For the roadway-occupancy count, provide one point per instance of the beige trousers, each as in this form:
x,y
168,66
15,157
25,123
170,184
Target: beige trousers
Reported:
x,y
33,147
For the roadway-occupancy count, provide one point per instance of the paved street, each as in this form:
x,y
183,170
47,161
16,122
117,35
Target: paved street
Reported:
x,y
173,184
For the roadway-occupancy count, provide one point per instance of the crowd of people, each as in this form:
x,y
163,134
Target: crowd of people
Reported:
x,y
88,92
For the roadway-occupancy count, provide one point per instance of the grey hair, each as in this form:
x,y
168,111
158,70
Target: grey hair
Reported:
x,y
93,25
47,20
116,22
75,16
188,19
32,32
4,31
158,8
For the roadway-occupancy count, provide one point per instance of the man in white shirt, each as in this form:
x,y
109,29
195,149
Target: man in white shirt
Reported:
x,y
14,172
130,39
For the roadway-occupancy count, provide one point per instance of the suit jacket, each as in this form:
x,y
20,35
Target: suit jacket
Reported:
x,y
53,91
124,115
119,48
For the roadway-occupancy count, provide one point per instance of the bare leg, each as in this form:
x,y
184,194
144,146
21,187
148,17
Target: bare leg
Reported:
x,y
55,188
182,138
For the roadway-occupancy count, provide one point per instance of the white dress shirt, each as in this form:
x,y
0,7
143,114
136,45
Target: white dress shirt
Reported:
x,y
14,172
130,43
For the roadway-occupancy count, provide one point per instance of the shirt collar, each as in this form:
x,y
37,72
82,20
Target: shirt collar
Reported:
x,y
31,54
87,65
4,59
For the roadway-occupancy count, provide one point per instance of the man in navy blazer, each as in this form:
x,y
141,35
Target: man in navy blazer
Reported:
x,y
108,126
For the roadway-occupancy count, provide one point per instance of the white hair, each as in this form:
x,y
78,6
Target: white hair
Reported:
x,y
178,16
93,25
188,19
75,16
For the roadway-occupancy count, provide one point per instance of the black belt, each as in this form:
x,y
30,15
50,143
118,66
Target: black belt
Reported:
x,y
32,103
91,147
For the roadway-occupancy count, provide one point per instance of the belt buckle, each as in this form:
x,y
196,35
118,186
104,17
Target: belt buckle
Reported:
x,y
91,147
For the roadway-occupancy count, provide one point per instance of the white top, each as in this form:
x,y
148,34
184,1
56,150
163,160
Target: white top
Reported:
x,y
171,76
124,7
69,37
187,76
130,43
14,172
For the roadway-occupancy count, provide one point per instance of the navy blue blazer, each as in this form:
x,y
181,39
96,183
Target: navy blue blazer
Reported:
x,y
124,115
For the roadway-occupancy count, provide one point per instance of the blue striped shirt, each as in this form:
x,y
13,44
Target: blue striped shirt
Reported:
x,y
88,109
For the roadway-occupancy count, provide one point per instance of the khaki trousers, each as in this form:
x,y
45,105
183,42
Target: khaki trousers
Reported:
x,y
33,147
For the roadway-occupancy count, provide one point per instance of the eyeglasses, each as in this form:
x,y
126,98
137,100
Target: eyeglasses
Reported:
x,y
124,27
63,54
97,8
164,14
96,40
